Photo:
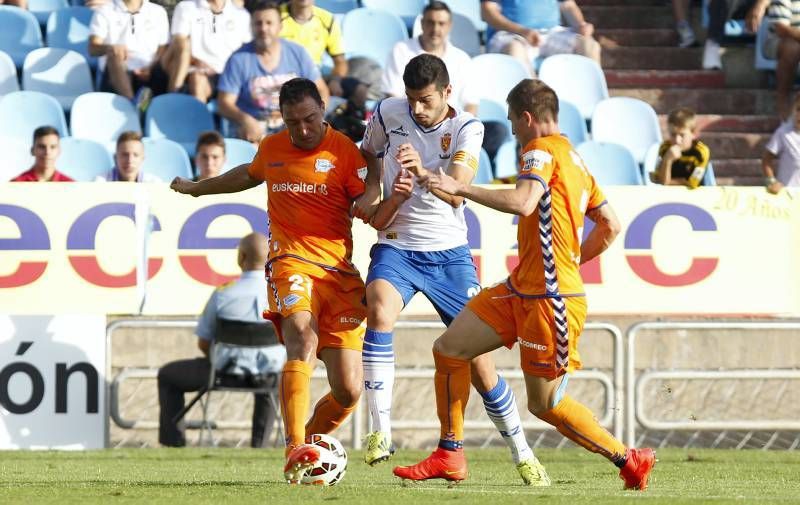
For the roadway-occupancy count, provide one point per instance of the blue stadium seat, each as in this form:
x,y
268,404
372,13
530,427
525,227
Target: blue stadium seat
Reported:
x,y
83,160
576,79
20,33
8,75
627,121
489,110
506,161
21,112
102,117
372,33
762,61
571,123
42,9
238,152
500,73
178,117
165,159
69,29
611,164
463,35
60,73
17,157
470,9
484,175
407,10
337,6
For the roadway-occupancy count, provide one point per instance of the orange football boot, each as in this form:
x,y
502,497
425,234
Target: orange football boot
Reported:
x,y
441,464
638,465
299,461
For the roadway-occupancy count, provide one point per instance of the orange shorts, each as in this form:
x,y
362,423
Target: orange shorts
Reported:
x,y
336,300
541,326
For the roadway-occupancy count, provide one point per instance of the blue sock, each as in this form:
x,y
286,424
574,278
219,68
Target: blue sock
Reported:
x,y
501,407
378,357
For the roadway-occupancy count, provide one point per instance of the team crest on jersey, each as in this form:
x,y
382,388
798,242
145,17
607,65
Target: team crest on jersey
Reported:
x,y
362,173
444,142
535,160
323,165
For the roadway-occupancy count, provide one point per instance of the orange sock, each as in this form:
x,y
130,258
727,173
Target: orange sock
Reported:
x,y
576,422
452,392
294,395
328,415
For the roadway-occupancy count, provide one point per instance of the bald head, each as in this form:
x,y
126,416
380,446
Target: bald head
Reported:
x,y
253,251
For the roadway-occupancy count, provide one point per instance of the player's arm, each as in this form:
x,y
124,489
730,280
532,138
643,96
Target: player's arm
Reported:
x,y
521,200
232,181
402,187
606,228
367,204
409,159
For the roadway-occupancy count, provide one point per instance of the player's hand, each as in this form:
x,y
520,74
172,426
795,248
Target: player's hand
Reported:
x,y
251,130
184,186
366,205
673,153
403,185
440,181
532,36
408,158
775,187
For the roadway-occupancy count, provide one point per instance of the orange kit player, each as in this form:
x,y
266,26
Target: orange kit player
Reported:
x,y
316,295
542,304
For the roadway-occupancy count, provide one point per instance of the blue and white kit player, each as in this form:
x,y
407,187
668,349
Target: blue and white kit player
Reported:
x,y
422,247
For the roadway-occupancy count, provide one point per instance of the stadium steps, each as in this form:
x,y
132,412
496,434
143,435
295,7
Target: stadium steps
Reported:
x,y
641,59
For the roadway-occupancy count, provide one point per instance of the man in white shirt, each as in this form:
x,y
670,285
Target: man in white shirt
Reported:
x,y
129,36
204,35
437,21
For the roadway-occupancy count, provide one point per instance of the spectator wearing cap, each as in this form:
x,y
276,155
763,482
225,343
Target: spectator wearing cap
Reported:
x,y
128,161
45,150
204,35
318,32
130,36
249,86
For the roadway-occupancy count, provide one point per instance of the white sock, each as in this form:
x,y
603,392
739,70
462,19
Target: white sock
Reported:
x,y
501,406
378,357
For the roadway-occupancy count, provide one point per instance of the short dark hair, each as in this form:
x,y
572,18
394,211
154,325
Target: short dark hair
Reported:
x,y
210,138
436,5
296,90
264,5
44,131
129,136
426,69
535,97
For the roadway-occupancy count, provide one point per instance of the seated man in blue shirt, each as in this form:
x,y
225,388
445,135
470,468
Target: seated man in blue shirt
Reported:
x,y
248,87
241,300
527,29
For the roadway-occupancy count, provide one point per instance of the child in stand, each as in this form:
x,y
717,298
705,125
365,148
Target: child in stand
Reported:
x,y
683,158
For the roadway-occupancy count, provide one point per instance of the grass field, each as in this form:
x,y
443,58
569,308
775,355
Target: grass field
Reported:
x,y
238,476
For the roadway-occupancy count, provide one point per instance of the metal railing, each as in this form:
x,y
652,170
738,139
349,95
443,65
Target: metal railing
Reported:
x,y
635,386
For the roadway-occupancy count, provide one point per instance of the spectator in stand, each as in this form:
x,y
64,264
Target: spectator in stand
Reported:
x,y
22,4
209,155
783,149
680,11
128,161
683,158
315,29
719,12
249,86
45,150
130,36
204,35
527,29
350,117
783,43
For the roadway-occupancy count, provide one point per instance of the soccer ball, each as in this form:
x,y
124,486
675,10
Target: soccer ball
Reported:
x,y
329,470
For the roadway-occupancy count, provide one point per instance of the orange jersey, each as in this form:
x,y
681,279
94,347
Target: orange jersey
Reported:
x,y
309,197
550,238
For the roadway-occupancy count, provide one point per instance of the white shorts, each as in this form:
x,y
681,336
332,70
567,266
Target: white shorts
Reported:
x,y
557,40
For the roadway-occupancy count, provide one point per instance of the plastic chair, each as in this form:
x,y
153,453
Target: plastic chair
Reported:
x,y
61,73
42,9
762,62
463,34
611,164
407,10
626,121
21,112
576,79
506,161
484,174
20,33
8,75
337,6
489,110
69,29
178,117
165,159
83,160
17,157
571,123
238,152
471,9
372,33
102,117
241,344
499,73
